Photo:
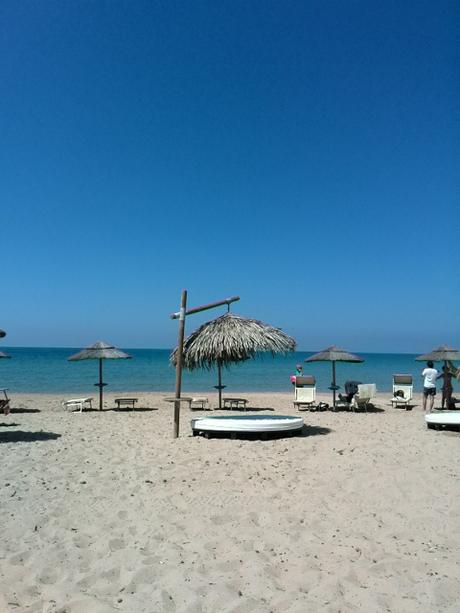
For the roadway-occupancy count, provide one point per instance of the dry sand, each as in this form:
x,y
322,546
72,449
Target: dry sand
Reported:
x,y
106,512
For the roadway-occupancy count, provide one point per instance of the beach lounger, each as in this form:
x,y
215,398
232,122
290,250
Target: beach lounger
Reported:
x,y
126,402
77,403
235,403
199,402
5,402
403,390
345,400
365,394
305,392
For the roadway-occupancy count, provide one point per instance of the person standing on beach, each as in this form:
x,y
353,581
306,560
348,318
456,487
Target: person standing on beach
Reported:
x,y
429,374
298,373
447,388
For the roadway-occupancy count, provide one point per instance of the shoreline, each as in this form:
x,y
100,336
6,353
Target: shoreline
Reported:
x,y
278,401
380,396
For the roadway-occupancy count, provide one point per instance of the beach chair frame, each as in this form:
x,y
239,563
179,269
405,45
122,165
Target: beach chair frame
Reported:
x,y
361,400
305,392
5,402
404,384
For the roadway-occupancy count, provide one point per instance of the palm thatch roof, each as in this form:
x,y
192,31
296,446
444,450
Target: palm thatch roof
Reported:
x,y
334,354
229,339
100,351
2,333
440,354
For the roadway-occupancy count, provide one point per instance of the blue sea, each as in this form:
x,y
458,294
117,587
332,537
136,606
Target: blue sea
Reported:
x,y
47,370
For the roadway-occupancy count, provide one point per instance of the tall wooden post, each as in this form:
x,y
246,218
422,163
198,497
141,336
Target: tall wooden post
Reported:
x,y
180,315
334,386
101,385
180,353
219,383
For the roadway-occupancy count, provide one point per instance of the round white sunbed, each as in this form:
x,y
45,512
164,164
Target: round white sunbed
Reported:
x,y
247,424
443,419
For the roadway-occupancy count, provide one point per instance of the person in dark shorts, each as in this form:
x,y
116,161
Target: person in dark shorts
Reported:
x,y
429,374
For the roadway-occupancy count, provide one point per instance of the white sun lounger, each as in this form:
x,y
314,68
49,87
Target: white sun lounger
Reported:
x,y
199,402
365,394
305,391
403,390
77,403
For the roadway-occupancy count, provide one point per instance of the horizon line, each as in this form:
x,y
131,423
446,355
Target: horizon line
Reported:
x,y
71,347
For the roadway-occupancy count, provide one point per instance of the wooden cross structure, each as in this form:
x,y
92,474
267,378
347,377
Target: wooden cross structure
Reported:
x,y
181,315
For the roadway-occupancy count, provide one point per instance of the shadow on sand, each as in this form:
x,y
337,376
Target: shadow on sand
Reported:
x,y
21,410
314,431
270,436
19,436
409,407
239,410
131,410
371,408
10,425
115,410
450,430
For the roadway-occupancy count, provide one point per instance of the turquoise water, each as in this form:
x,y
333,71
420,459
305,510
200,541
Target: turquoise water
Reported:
x,y
47,370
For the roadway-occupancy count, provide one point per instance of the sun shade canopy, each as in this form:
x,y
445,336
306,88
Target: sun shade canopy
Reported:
x,y
334,354
100,351
230,339
440,354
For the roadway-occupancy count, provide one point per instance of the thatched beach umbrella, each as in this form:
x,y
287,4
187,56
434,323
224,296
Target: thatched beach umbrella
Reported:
x,y
440,354
334,354
230,339
100,351
2,333
443,354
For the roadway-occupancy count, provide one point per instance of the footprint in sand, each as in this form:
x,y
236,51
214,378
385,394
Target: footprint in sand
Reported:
x,y
48,576
220,520
116,544
169,606
19,559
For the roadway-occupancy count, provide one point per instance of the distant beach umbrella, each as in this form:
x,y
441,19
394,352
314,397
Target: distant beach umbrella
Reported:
x,y
334,354
2,333
230,339
100,351
4,355
440,354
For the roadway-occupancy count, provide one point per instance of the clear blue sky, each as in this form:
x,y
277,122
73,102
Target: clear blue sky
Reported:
x,y
302,154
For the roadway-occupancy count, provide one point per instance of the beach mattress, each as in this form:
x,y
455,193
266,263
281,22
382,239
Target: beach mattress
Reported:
x,y
247,423
443,418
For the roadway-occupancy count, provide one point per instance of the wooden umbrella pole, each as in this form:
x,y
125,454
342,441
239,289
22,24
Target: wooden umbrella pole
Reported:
x,y
180,347
180,353
333,384
219,371
101,385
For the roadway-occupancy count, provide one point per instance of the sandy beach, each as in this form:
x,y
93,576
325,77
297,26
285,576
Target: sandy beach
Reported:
x,y
104,511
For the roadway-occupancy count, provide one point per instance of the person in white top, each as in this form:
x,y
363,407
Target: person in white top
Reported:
x,y
429,374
